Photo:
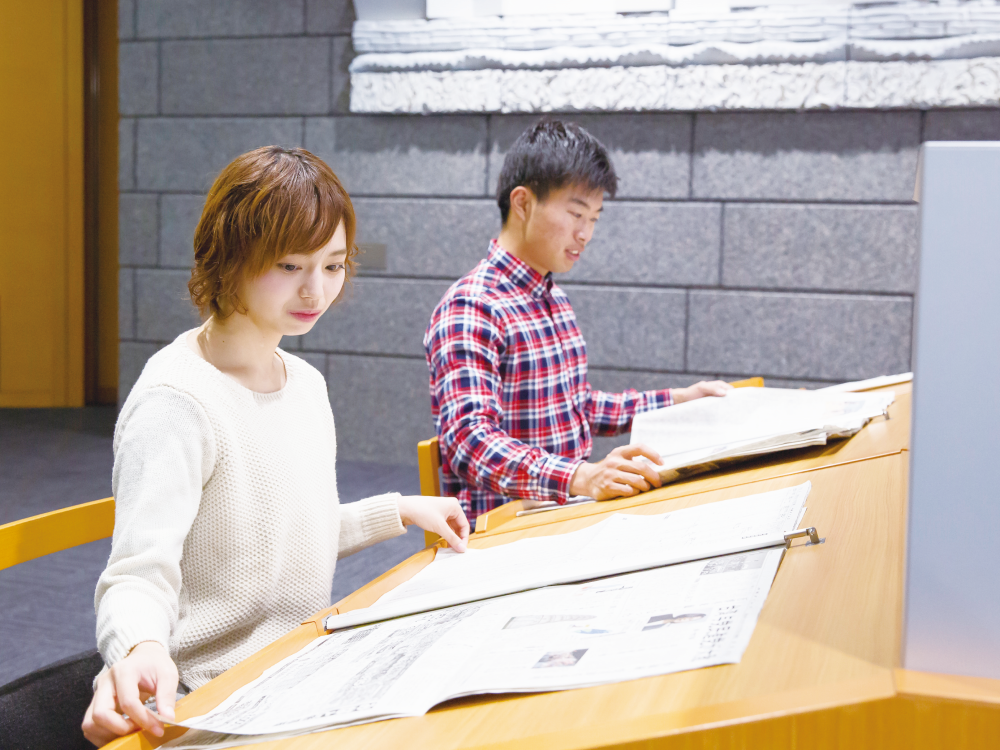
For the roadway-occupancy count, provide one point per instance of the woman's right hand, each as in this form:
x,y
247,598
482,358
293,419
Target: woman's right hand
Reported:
x,y
117,707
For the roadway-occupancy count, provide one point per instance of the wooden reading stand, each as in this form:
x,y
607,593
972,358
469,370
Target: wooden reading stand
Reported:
x,y
821,671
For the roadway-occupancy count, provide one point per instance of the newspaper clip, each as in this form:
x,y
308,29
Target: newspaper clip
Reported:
x,y
809,532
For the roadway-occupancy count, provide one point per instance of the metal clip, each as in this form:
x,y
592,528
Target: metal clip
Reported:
x,y
809,532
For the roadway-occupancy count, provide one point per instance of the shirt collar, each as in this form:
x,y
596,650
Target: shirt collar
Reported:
x,y
519,272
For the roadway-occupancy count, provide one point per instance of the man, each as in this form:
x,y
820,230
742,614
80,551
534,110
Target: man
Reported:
x,y
508,365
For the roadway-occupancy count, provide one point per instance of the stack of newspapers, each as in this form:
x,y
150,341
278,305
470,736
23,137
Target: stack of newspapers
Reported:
x,y
703,434
630,596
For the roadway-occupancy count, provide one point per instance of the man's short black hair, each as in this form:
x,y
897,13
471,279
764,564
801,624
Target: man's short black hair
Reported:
x,y
550,155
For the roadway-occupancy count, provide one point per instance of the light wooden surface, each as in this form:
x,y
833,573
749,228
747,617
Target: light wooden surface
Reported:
x,y
821,671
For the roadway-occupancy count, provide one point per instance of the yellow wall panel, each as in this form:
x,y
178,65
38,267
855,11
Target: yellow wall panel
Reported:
x,y
41,204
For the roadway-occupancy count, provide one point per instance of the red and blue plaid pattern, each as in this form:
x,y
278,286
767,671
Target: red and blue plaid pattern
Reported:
x,y
509,393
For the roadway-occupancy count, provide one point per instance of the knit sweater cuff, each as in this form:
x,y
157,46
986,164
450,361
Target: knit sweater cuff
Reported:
x,y
121,628
380,517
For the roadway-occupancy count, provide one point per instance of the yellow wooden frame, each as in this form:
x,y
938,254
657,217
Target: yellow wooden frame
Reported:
x,y
61,529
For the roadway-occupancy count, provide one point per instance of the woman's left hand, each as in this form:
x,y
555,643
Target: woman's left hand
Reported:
x,y
440,515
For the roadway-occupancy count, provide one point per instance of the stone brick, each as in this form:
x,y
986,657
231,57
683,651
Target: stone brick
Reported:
x,y
137,220
126,154
653,243
179,215
848,248
291,344
126,303
962,125
429,237
857,156
163,306
132,357
126,19
138,78
329,16
798,336
631,328
248,76
188,154
196,18
378,316
340,85
403,155
651,152
381,407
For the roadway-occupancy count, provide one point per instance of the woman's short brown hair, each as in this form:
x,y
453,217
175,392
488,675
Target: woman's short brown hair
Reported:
x,y
266,204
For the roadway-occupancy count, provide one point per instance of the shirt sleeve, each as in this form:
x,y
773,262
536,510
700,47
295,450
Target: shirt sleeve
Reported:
x,y
612,413
465,345
164,455
367,522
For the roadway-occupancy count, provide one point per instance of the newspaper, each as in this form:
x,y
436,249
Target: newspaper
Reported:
x,y
624,627
863,385
699,435
620,543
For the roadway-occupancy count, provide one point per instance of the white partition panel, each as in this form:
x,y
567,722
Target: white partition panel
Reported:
x,y
953,564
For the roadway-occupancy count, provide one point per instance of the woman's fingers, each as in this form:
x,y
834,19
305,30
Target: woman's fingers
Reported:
x,y
127,689
103,711
448,534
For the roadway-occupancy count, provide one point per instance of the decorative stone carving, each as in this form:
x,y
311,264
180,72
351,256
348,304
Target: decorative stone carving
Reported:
x,y
809,56
940,83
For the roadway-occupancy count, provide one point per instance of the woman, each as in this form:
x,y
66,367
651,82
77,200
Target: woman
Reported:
x,y
227,522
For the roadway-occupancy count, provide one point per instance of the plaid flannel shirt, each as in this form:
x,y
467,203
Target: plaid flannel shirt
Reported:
x,y
509,394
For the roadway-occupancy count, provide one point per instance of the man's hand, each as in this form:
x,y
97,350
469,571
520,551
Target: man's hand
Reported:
x,y
620,474
698,390
440,515
147,670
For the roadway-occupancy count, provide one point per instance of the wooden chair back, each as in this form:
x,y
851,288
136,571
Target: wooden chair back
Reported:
x,y
429,460
44,534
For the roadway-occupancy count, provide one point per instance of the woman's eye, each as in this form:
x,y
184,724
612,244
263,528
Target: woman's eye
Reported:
x,y
335,267
287,266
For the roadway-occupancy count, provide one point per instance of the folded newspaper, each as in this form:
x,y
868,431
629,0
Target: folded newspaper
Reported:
x,y
607,628
701,435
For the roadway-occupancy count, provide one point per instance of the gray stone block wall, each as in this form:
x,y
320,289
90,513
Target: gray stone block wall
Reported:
x,y
774,244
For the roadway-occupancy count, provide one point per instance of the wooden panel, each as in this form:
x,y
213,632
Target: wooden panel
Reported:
x,y
107,203
41,204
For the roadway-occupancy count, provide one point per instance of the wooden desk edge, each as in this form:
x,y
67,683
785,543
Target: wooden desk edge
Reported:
x,y
947,686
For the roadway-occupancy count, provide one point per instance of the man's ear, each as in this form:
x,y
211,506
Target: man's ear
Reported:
x,y
522,202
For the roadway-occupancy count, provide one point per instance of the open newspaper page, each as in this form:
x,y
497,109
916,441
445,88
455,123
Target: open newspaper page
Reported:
x,y
619,628
751,421
621,543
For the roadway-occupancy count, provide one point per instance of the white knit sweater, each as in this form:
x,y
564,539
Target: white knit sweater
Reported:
x,y
227,522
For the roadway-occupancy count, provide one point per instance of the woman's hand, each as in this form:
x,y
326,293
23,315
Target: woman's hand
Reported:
x,y
147,670
440,515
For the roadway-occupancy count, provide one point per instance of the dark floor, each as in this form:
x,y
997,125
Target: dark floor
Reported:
x,y
51,458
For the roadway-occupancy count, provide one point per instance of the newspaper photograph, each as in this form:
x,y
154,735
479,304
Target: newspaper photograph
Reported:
x,y
622,627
